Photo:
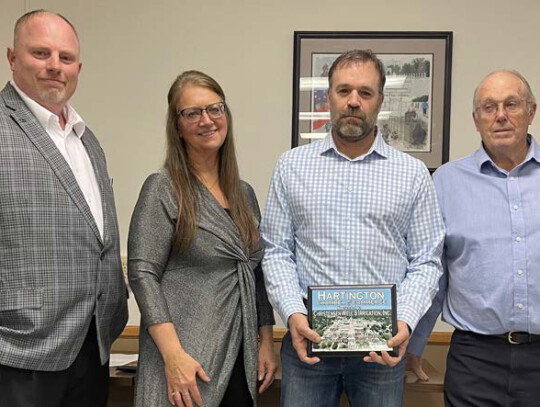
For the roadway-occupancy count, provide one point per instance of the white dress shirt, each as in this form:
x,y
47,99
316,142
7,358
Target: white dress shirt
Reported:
x,y
72,148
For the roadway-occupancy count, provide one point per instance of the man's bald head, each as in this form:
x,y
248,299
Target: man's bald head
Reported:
x,y
21,22
529,93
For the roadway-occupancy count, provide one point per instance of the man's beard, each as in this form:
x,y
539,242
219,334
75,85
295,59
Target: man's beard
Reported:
x,y
51,95
350,130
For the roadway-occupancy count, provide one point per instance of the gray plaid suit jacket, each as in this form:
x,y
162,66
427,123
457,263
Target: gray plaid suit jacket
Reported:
x,y
55,270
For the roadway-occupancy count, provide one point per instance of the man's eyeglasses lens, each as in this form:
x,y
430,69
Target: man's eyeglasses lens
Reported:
x,y
193,114
509,106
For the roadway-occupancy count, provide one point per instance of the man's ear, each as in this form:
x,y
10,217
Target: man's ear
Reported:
x,y
10,54
475,120
532,112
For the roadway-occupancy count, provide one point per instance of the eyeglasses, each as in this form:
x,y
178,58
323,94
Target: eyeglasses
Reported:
x,y
509,106
194,114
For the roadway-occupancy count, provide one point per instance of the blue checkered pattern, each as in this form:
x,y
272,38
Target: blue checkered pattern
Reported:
x,y
333,220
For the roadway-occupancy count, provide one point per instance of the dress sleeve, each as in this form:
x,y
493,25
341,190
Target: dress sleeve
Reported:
x,y
265,312
151,237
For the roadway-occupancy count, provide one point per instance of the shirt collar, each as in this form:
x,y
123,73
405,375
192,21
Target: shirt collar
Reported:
x,y
379,147
534,150
533,153
45,116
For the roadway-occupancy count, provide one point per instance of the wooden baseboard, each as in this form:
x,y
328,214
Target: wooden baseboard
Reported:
x,y
436,338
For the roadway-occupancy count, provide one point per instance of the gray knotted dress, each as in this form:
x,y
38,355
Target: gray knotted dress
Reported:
x,y
213,293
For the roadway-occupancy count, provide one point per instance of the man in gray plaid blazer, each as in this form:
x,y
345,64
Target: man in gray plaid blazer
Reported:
x,y
62,293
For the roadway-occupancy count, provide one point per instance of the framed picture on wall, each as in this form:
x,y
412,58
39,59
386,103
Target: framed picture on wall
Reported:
x,y
415,115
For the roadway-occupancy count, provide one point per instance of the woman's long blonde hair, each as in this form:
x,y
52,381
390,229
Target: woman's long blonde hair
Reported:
x,y
184,178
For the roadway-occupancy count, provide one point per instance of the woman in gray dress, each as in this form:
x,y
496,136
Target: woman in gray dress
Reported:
x,y
193,262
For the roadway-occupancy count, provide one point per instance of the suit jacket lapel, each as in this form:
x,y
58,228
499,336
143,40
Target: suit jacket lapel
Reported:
x,y
42,141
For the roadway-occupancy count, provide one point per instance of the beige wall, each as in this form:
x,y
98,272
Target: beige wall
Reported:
x,y
132,50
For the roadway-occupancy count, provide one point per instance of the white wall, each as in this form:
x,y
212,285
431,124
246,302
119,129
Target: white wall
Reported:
x,y
132,50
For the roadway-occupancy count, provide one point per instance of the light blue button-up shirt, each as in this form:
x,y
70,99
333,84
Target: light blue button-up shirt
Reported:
x,y
332,220
491,283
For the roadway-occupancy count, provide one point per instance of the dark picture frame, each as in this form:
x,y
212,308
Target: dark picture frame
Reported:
x,y
415,116
352,320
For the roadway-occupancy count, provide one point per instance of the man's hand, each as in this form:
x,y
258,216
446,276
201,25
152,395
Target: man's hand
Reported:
x,y
413,365
300,333
400,340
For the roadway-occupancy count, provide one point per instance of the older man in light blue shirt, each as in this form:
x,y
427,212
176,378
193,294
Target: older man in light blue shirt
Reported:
x,y
490,292
350,209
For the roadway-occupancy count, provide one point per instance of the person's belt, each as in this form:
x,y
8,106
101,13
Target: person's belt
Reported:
x,y
518,338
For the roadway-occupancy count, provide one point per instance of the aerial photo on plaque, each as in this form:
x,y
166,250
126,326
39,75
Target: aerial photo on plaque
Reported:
x,y
352,320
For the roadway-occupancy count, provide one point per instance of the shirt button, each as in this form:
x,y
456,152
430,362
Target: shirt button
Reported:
x,y
512,178
516,207
520,272
349,189
518,239
520,306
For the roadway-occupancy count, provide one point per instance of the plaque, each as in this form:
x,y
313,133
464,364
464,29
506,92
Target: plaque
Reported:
x,y
352,320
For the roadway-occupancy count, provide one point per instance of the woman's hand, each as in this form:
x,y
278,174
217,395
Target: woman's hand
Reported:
x,y
266,360
181,371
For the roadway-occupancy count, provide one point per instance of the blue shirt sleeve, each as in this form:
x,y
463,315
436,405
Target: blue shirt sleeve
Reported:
x,y
279,263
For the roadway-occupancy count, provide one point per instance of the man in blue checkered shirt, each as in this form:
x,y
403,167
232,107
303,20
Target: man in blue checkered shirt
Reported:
x,y
349,209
